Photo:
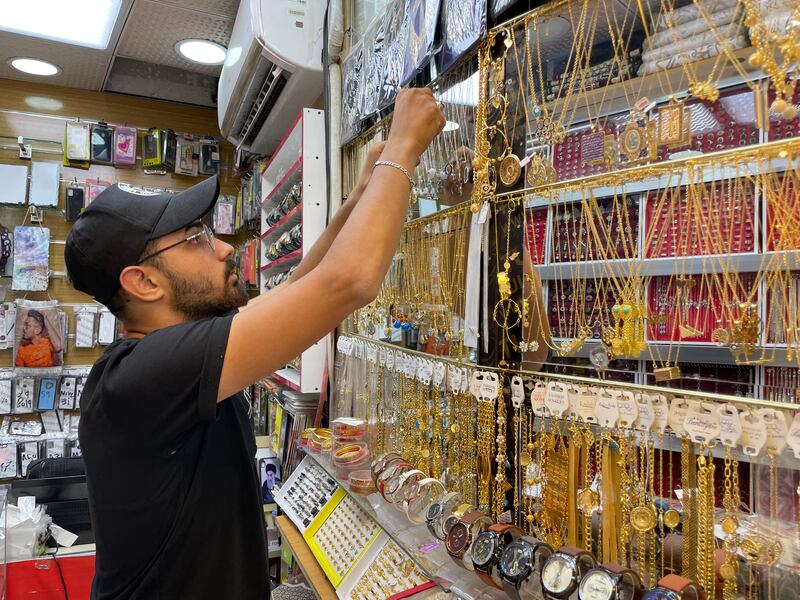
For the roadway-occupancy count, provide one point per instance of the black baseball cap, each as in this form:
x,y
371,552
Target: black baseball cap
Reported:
x,y
112,231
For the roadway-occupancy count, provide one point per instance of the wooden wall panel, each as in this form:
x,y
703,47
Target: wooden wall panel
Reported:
x,y
38,112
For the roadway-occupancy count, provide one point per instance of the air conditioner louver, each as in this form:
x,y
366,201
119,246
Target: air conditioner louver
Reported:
x,y
263,104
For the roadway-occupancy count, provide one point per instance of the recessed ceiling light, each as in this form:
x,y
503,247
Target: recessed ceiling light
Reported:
x,y
201,51
34,66
87,23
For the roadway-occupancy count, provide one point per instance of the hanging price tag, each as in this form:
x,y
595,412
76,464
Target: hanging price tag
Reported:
x,y
606,409
465,380
793,435
645,419
775,423
453,379
702,422
372,354
572,397
537,398
517,391
754,432
660,413
677,416
587,398
555,398
490,387
382,356
730,428
475,384
438,373
390,359
628,410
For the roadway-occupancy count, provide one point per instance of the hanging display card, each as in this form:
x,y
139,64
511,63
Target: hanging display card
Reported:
x,y
31,259
13,184
44,183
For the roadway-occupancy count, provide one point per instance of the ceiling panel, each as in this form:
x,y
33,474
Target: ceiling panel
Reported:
x,y
154,28
81,67
220,7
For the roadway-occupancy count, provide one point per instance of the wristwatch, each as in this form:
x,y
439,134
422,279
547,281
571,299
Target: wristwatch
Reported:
x,y
389,475
675,587
437,512
563,571
396,489
487,549
419,495
520,567
610,582
454,517
461,535
382,462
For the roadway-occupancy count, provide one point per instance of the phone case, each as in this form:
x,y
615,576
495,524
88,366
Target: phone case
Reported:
x,y
125,147
75,199
186,156
102,144
47,393
169,148
209,157
78,142
66,396
23,395
152,149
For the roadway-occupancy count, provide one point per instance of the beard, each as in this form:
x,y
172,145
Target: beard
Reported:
x,y
202,299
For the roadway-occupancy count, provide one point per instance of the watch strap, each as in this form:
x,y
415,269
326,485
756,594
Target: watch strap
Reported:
x,y
689,589
627,577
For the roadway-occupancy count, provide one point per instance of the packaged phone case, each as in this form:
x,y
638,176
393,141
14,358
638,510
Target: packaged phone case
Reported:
x,y
102,144
153,157
169,148
93,189
186,155
125,147
75,199
209,157
77,146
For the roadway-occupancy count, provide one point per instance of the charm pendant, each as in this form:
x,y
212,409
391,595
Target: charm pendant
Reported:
x,y
510,170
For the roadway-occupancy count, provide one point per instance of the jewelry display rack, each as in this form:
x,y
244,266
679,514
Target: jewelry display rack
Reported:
x,y
299,163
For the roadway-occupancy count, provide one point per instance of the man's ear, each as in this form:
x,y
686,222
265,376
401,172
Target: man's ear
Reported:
x,y
142,283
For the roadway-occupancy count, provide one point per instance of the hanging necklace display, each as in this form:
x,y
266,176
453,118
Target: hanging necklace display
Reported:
x,y
352,88
396,32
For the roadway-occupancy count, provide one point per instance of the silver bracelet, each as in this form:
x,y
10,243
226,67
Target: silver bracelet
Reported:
x,y
388,163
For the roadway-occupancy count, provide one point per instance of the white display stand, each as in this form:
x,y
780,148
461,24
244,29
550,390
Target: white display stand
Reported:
x,y
300,158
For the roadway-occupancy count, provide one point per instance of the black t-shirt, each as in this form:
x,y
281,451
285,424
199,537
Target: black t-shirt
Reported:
x,y
173,487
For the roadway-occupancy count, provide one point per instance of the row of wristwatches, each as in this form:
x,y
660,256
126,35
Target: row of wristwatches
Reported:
x,y
502,556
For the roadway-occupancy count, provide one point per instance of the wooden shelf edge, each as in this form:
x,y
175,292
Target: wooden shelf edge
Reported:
x,y
308,563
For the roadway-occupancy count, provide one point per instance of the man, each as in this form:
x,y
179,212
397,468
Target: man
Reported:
x,y
174,492
270,470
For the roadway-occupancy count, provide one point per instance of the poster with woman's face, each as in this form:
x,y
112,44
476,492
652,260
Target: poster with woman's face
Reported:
x,y
270,474
38,337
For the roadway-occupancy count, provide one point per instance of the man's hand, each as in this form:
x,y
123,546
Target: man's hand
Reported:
x,y
416,121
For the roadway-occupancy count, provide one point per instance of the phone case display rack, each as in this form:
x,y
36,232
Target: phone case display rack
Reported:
x,y
657,215
293,216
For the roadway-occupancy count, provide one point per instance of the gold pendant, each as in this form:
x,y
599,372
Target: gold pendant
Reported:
x,y
454,428
672,518
510,170
729,525
667,373
644,519
524,459
728,570
687,331
588,500
674,125
720,337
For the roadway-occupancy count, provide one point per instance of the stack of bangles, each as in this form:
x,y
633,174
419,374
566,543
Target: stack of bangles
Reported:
x,y
348,458
320,440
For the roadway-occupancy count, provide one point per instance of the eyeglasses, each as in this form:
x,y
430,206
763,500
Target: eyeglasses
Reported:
x,y
205,233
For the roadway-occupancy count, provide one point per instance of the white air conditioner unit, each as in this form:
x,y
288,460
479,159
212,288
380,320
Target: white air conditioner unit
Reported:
x,y
273,68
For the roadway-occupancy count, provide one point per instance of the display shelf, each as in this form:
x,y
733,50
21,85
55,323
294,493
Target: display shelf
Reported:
x,y
289,376
300,158
314,575
284,262
616,97
685,265
428,553
640,180
289,220
292,176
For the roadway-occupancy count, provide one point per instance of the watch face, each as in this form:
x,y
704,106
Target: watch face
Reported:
x,y
557,574
448,523
434,512
597,585
517,560
659,593
457,538
483,548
